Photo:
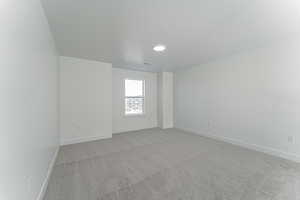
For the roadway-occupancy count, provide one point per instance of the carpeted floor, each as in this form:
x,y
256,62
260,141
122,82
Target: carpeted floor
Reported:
x,y
169,164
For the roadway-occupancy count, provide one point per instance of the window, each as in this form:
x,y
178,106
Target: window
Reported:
x,y
134,97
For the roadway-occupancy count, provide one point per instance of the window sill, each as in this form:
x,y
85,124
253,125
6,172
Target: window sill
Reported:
x,y
135,115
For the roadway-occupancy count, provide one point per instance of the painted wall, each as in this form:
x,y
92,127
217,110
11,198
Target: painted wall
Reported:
x,y
251,99
160,99
122,123
165,100
29,134
85,100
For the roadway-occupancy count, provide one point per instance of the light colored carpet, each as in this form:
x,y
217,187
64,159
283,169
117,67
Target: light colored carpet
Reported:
x,y
169,164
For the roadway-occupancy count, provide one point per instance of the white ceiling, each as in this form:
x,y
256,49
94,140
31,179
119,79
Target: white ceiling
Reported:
x,y
124,32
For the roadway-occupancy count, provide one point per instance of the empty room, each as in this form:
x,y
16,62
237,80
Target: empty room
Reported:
x,y
149,100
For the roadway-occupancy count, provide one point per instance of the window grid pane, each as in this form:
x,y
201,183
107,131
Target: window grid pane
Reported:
x,y
134,105
134,97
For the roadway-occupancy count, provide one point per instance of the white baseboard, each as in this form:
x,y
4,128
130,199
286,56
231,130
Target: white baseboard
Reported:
x,y
267,150
132,130
49,172
83,139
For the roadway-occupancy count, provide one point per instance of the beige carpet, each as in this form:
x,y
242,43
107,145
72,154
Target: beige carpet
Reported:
x,y
169,164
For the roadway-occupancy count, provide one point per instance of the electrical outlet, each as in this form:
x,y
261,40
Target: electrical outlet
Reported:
x,y
291,139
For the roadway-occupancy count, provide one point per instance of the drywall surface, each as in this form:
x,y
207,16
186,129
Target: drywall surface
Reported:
x,y
160,99
85,100
252,99
165,100
29,134
122,123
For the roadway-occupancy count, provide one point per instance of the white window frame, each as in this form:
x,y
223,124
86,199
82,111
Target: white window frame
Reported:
x,y
144,96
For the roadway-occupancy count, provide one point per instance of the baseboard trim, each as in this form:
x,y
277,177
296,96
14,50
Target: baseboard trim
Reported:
x,y
255,147
84,139
47,178
132,130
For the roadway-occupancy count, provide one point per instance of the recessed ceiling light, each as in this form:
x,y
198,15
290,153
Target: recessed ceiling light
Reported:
x,y
159,48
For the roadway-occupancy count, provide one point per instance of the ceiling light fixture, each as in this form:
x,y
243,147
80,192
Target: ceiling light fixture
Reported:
x,y
159,48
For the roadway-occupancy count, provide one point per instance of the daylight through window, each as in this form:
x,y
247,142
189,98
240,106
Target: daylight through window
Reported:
x,y
134,97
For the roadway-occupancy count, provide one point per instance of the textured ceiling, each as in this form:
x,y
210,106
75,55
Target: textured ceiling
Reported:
x,y
124,32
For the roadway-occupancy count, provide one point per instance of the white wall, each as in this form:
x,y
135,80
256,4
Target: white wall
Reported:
x,y
165,100
85,100
28,99
122,123
160,100
251,99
